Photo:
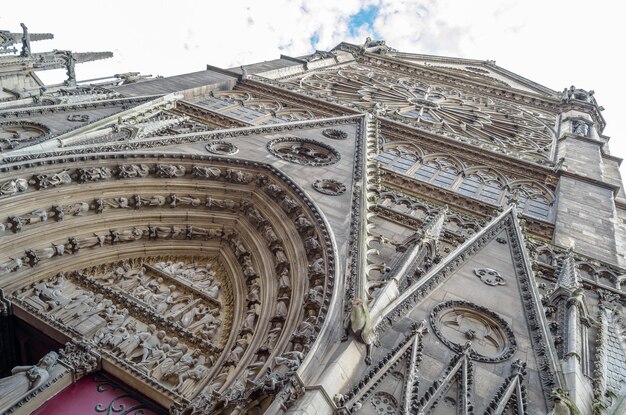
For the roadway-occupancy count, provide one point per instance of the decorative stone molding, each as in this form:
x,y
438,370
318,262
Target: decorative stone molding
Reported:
x,y
334,134
78,117
223,148
81,357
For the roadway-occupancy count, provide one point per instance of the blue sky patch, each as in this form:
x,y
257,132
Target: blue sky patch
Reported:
x,y
315,37
363,17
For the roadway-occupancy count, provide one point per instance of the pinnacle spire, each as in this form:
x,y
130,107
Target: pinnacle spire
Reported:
x,y
434,226
568,274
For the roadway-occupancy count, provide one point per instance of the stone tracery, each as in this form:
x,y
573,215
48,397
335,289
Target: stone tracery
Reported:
x,y
441,107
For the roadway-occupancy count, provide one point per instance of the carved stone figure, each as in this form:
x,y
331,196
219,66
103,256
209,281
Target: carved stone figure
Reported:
x,y
226,204
184,200
77,209
237,176
94,174
581,128
170,170
206,172
23,379
132,170
13,186
44,181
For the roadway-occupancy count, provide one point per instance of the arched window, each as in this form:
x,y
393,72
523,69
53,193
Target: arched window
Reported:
x,y
482,185
400,159
533,200
439,171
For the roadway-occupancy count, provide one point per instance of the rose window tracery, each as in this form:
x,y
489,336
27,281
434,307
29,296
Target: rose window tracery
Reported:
x,y
458,322
442,108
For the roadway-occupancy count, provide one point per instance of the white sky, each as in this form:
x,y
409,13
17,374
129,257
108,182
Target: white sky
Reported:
x,y
554,43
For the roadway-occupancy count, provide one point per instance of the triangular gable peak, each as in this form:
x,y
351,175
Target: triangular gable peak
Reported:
x,y
477,70
500,312
481,71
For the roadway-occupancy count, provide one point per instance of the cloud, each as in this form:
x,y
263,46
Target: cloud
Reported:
x,y
554,43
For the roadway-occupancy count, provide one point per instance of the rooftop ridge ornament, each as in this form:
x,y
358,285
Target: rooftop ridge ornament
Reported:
x,y
8,39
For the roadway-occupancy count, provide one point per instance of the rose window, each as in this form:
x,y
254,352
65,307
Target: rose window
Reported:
x,y
442,108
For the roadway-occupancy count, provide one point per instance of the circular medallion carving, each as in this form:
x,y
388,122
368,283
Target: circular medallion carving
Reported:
x,y
457,322
329,187
489,276
303,151
222,148
334,134
384,403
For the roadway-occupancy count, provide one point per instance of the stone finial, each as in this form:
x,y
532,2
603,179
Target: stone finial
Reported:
x,y
433,228
568,274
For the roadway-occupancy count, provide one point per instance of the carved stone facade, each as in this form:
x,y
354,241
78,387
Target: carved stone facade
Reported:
x,y
358,231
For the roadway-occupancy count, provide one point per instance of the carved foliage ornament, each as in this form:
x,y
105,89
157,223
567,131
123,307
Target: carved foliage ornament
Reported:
x,y
329,187
459,322
489,276
303,151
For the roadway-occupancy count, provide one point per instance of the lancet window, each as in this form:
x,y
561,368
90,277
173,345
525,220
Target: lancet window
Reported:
x,y
475,182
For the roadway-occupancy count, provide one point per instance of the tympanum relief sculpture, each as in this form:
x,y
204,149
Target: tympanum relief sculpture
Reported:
x,y
162,317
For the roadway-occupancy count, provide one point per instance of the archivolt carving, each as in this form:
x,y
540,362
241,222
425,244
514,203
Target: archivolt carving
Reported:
x,y
181,304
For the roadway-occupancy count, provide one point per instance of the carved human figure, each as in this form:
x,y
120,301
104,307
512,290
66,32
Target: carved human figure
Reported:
x,y
226,204
291,360
52,180
77,209
92,174
206,172
281,308
40,214
25,41
208,319
189,379
133,170
302,223
23,379
184,200
152,342
289,205
581,128
68,311
284,279
170,170
49,294
237,176
317,266
13,186
177,350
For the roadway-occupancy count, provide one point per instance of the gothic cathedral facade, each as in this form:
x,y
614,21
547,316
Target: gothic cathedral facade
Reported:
x,y
354,231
